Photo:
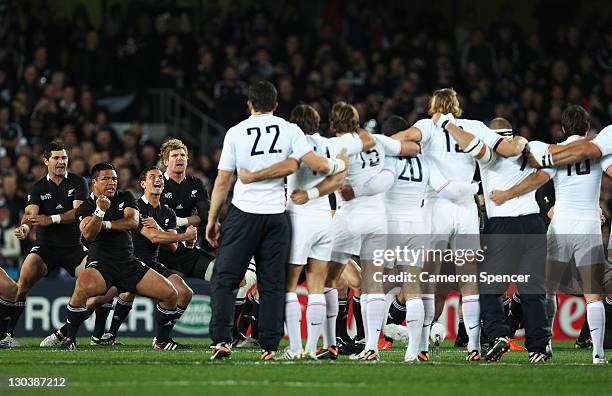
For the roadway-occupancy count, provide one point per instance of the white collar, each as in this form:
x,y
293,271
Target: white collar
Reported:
x,y
65,176
144,199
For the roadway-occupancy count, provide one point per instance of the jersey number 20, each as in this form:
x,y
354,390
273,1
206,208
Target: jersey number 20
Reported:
x,y
413,176
269,129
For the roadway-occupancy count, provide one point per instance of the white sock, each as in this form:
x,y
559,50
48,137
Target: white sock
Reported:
x,y
293,315
315,317
331,307
471,319
364,316
375,312
596,316
429,310
415,314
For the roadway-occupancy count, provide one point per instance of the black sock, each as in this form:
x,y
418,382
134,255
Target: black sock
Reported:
x,y
122,310
516,313
101,315
341,327
585,332
358,319
237,311
180,310
16,313
255,319
397,313
245,319
6,309
462,337
165,320
74,317
63,331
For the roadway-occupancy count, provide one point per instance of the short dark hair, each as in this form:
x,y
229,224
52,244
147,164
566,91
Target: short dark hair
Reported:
x,y
393,125
55,145
575,120
97,168
306,117
143,174
263,96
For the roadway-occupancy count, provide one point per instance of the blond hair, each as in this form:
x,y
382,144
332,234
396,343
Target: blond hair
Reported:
x,y
445,101
343,118
170,145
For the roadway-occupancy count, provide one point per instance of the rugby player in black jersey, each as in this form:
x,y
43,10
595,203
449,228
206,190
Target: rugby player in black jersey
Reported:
x,y
51,205
106,219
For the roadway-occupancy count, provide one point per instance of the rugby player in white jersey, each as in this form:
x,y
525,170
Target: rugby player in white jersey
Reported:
x,y
311,232
575,229
404,181
456,225
514,235
257,224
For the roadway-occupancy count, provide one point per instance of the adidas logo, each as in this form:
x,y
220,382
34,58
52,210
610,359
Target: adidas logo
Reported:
x,y
179,206
59,206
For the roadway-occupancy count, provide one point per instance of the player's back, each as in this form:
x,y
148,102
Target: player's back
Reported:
x,y
577,186
408,190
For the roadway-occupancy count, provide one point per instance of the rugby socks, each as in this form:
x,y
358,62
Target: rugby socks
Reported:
x,y
331,308
244,320
101,315
237,311
255,319
180,310
428,315
5,315
357,314
375,314
415,316
341,320
596,317
315,317
75,316
585,331
293,314
471,318
16,312
165,319
122,310
515,316
551,309
397,312
364,316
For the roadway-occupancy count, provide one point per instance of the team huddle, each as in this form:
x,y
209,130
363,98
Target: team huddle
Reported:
x,y
409,186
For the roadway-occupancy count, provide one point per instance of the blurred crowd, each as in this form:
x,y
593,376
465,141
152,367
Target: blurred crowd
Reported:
x,y
55,74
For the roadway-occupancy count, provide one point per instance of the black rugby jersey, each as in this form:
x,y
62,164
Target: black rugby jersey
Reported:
x,y
111,244
187,198
165,217
53,199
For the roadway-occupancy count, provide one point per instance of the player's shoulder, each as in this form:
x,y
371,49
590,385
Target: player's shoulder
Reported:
x,y
571,139
606,131
73,177
424,124
193,181
124,195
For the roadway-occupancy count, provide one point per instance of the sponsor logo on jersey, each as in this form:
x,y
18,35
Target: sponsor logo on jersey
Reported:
x,y
193,193
45,196
121,205
195,319
168,195
71,192
166,221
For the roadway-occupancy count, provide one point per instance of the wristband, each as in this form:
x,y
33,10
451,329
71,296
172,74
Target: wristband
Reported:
x,y
181,221
27,228
335,166
107,225
547,160
55,219
99,212
313,193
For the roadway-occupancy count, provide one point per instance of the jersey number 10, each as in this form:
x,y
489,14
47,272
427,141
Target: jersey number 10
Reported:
x,y
579,170
272,150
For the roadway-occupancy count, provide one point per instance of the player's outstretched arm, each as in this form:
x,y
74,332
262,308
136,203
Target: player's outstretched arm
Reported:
x,y
280,169
411,134
575,152
219,195
529,184
325,187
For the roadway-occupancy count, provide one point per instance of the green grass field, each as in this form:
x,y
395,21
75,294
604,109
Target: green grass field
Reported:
x,y
137,369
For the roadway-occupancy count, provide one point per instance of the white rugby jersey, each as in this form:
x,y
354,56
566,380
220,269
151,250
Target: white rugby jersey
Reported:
x,y
501,174
257,143
577,186
305,178
439,146
406,194
603,140
363,166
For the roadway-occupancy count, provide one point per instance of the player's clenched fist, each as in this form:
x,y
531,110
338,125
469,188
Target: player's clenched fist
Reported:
x,y
103,202
21,232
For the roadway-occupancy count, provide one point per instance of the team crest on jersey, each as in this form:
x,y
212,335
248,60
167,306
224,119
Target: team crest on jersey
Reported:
x,y
168,195
166,221
45,196
121,205
193,193
71,192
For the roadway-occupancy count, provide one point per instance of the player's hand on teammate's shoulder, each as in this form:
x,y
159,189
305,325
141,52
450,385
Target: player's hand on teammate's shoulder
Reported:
x,y
150,222
499,197
103,202
245,176
213,232
299,197
441,119
347,192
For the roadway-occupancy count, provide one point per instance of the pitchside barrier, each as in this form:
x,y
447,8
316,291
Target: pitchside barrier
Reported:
x,y
46,311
